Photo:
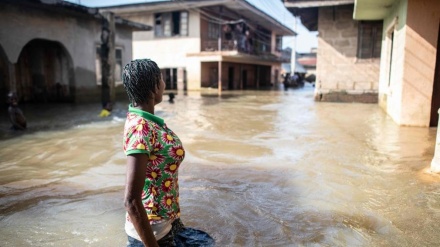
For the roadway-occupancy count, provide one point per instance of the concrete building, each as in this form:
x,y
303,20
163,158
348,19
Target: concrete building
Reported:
x,y
409,84
307,60
348,57
185,42
49,50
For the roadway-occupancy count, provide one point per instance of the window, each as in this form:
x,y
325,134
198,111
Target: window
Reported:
x,y
213,30
279,43
171,24
170,78
118,66
369,39
184,23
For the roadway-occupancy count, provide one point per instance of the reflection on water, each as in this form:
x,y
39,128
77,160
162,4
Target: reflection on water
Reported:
x,y
263,168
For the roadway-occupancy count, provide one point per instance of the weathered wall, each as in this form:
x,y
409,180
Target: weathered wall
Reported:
x,y
391,68
341,77
420,57
78,34
406,81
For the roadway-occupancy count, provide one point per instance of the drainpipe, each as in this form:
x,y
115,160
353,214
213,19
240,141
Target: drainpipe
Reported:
x,y
435,163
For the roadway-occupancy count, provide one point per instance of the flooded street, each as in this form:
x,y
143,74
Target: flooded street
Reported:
x,y
263,168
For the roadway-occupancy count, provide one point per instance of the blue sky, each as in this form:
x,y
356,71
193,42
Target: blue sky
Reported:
x,y
303,42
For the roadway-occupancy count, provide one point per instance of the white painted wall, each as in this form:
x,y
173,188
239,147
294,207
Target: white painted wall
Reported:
x,y
170,52
390,83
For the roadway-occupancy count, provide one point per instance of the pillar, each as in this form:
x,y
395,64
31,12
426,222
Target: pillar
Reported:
x,y
180,79
108,58
220,77
435,163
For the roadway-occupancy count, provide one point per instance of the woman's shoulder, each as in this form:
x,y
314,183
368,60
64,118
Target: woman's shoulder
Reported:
x,y
137,121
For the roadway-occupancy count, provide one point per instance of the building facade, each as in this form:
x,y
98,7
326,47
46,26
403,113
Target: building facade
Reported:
x,y
49,50
222,44
348,53
409,88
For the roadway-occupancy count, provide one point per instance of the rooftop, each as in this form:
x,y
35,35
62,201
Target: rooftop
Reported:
x,y
271,15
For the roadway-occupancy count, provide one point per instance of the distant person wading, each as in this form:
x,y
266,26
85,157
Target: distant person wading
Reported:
x,y
16,116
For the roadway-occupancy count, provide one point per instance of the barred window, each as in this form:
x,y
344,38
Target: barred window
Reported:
x,y
369,39
171,24
279,43
213,30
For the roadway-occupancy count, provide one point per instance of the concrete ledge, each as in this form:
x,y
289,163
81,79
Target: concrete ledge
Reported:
x,y
369,98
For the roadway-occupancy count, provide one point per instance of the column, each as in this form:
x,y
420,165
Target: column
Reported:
x,y
435,163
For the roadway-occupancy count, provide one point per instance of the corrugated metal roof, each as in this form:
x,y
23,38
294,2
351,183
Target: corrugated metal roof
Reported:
x,y
315,3
274,10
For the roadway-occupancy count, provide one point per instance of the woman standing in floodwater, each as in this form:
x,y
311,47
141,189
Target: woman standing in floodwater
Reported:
x,y
154,154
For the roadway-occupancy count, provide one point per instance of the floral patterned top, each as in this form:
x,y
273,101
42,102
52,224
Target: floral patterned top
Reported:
x,y
148,134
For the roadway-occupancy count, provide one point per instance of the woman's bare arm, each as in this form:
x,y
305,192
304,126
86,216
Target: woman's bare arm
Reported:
x,y
136,169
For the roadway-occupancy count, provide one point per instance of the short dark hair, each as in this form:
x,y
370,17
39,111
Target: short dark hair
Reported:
x,y
141,78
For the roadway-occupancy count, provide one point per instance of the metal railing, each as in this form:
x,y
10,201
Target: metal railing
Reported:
x,y
235,45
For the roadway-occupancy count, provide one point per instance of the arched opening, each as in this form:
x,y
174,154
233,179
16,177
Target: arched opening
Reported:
x,y
44,73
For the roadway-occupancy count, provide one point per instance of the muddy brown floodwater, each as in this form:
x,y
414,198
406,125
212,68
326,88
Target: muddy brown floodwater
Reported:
x,y
263,168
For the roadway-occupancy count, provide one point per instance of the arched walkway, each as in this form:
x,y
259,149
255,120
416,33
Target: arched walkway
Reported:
x,y
44,72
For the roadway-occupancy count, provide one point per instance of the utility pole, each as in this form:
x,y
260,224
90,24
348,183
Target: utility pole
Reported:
x,y
220,53
293,55
107,54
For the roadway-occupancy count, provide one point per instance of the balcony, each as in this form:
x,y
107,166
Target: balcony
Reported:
x,y
235,48
241,44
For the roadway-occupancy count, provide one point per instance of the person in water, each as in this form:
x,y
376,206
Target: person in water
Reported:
x,y
106,109
16,116
171,98
154,154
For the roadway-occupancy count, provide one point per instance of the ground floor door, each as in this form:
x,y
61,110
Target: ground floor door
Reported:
x,y
4,76
435,103
44,73
244,78
231,78
170,78
213,77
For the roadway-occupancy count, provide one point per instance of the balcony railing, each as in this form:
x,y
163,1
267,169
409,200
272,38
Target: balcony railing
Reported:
x,y
242,46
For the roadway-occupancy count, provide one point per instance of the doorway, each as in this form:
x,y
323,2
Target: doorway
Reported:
x,y
44,73
170,78
435,103
4,75
244,78
231,78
